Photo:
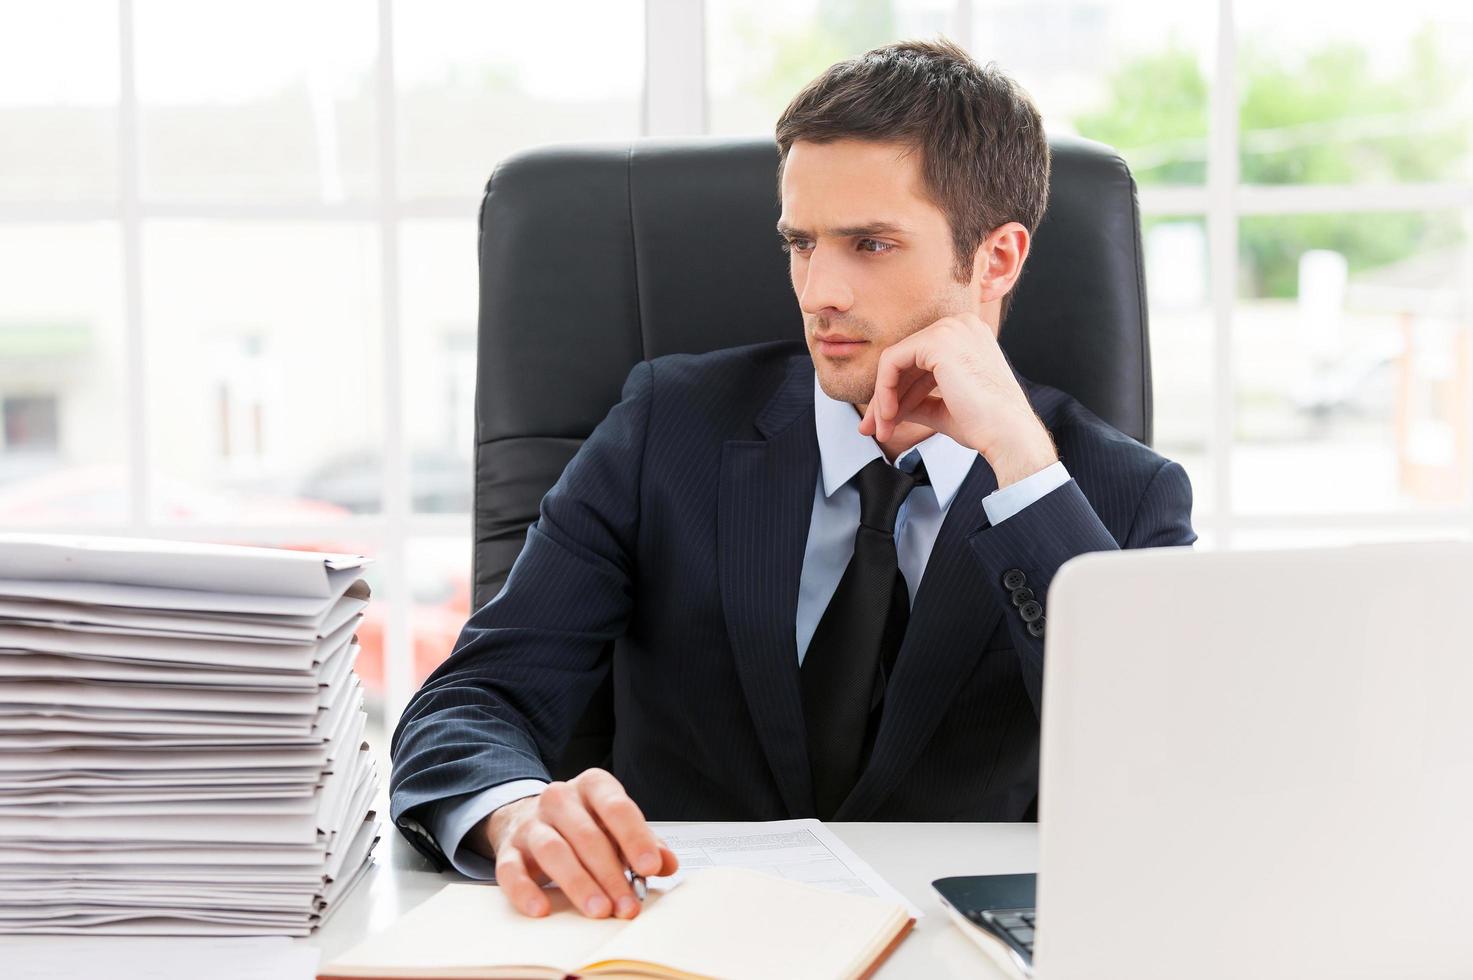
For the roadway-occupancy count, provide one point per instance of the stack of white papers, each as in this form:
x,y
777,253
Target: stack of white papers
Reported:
x,y
181,737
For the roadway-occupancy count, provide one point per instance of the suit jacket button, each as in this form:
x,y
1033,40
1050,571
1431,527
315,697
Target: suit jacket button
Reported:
x,y
1030,610
1035,628
1014,579
1022,595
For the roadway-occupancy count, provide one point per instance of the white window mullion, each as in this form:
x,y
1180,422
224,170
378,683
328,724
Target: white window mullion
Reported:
x,y
1160,200
961,23
1438,520
1465,309
674,102
1280,199
131,239
398,636
1222,236
62,212
357,527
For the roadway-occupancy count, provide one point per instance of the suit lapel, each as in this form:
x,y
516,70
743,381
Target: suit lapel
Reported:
x,y
765,506
949,623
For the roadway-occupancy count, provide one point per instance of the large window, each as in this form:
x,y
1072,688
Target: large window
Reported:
x,y
239,245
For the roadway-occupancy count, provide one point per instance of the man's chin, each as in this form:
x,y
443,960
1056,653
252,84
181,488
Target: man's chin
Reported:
x,y
855,386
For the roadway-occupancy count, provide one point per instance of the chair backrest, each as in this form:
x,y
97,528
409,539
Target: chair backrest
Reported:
x,y
595,256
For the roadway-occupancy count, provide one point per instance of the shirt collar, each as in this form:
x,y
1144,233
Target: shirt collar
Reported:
x,y
843,451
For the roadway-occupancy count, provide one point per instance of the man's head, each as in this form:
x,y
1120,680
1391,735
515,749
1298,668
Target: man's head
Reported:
x,y
912,180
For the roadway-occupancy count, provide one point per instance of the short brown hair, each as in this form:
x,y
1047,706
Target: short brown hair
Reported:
x,y
984,156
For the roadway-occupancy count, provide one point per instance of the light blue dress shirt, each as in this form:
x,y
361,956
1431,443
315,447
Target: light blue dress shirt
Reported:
x,y
843,452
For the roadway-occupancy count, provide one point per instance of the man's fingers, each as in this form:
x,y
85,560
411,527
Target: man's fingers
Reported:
x,y
626,824
887,418
557,858
901,363
919,390
595,851
933,414
515,879
669,863
893,360
902,366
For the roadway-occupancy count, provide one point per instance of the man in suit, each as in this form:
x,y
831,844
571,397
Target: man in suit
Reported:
x,y
816,570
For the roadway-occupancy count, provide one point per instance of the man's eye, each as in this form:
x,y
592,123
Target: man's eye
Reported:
x,y
798,245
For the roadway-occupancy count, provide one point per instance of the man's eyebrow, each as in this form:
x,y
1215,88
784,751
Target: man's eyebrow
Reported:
x,y
850,231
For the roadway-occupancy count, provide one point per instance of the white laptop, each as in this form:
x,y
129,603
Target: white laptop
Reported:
x,y
1254,765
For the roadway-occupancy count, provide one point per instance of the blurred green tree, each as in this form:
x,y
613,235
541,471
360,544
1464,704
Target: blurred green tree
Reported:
x,y
840,29
1326,120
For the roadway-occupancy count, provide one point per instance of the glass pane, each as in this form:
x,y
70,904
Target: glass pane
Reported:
x,y
440,589
59,100
63,436
264,370
1326,96
1133,75
1353,369
439,605
759,55
479,80
440,290
1177,285
264,101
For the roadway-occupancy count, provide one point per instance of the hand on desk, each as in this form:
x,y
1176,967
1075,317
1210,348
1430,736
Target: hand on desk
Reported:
x,y
581,834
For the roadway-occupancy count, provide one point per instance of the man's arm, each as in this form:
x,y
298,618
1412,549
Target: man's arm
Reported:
x,y
1004,502
952,376
527,662
1035,541
452,821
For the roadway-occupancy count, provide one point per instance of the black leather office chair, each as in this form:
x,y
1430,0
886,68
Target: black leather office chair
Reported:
x,y
596,256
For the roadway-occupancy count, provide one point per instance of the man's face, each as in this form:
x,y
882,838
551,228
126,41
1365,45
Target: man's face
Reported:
x,y
871,259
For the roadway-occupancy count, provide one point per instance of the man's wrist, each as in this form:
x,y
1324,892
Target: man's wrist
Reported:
x,y
484,837
1019,458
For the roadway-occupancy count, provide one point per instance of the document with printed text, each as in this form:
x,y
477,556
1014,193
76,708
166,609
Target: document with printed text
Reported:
x,y
800,850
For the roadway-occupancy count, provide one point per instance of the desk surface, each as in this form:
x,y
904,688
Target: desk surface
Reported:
x,y
908,855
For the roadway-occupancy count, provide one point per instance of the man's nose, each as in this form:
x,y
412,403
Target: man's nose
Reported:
x,y
824,286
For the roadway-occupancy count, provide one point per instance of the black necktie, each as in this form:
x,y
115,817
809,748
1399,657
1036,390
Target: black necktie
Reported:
x,y
853,649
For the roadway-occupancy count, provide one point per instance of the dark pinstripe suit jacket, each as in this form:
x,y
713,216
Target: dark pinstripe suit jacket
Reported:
x,y
670,550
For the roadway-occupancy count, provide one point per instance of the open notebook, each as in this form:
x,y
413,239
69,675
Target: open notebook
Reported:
x,y
721,922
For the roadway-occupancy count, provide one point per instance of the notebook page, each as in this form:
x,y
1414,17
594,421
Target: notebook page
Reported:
x,y
464,930
738,924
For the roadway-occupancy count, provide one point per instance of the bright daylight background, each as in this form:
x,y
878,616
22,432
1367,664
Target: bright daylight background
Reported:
x,y
237,244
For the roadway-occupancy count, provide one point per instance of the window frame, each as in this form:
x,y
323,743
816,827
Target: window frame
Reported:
x,y
675,103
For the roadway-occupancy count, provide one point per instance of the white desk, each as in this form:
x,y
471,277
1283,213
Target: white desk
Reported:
x,y
908,855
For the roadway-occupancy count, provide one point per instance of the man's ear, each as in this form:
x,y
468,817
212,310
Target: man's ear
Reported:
x,y
999,261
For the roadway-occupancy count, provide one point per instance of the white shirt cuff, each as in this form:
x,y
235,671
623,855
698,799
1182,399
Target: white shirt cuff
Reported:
x,y
1004,503
453,818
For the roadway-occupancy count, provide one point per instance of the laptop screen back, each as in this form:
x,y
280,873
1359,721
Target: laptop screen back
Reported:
x,y
1258,764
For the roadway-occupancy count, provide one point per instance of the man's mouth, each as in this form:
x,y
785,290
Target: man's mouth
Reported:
x,y
834,344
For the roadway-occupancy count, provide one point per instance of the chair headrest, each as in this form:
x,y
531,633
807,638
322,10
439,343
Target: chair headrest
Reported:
x,y
595,256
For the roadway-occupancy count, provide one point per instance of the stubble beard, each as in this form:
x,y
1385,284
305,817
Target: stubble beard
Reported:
x,y
846,381
855,383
